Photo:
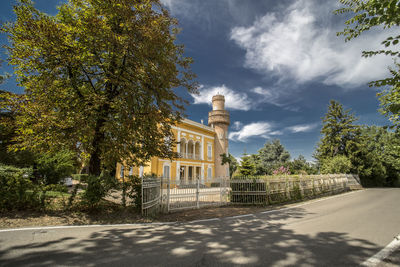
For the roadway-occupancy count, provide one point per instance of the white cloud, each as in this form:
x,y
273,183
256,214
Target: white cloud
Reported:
x,y
266,130
237,125
254,129
233,99
302,128
299,44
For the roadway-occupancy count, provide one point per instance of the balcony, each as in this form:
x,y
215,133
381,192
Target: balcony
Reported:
x,y
189,156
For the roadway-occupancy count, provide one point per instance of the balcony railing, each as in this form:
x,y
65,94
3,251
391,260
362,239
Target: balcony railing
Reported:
x,y
189,156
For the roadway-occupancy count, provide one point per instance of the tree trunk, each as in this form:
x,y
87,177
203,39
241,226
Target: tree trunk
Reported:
x,y
95,161
98,139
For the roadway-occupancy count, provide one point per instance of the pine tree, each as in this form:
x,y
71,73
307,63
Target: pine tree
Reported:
x,y
338,132
247,167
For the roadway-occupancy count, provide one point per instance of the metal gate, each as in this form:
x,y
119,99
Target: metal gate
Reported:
x,y
150,196
192,194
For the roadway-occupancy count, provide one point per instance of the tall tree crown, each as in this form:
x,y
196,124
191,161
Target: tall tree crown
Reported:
x,y
99,77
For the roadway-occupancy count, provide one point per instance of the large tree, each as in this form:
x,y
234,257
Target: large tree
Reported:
x,y
338,132
378,14
99,77
271,156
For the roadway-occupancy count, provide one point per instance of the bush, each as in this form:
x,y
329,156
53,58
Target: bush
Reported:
x,y
337,164
134,190
98,188
17,190
56,187
55,167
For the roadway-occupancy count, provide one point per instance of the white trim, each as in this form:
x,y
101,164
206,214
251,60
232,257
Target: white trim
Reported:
x,y
197,164
202,148
178,168
186,162
141,171
167,160
194,123
188,131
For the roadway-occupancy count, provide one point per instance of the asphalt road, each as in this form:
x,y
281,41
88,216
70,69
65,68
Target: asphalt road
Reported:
x,y
342,231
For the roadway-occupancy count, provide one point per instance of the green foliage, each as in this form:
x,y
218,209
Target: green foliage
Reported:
x,y
17,191
56,166
231,160
247,167
22,158
270,157
56,188
97,188
375,157
337,164
368,15
338,132
301,166
80,177
134,190
99,78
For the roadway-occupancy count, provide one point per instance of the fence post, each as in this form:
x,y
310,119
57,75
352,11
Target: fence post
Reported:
x,y
301,188
141,180
197,193
168,193
220,191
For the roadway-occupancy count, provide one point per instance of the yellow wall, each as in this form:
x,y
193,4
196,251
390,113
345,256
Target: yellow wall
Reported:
x,y
187,131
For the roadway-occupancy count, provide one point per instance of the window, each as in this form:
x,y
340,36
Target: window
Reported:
x,y
122,171
209,151
209,172
166,171
131,171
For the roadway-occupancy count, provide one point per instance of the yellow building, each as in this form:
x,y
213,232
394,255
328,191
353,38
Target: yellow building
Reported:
x,y
199,148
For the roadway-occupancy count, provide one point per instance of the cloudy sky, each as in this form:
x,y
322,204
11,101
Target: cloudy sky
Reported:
x,y
278,63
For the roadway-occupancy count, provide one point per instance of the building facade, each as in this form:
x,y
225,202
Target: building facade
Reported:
x,y
199,148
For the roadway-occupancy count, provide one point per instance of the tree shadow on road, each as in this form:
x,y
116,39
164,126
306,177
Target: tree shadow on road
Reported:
x,y
261,240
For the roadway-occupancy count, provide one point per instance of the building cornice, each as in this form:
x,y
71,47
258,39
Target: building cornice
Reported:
x,y
199,125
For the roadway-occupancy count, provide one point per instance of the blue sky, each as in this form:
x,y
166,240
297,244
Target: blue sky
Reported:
x,y
278,63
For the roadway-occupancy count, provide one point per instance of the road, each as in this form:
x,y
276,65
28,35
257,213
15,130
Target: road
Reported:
x,y
344,230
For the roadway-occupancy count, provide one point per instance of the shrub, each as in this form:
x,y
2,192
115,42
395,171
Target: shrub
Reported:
x,y
134,190
98,188
17,190
337,164
56,187
55,167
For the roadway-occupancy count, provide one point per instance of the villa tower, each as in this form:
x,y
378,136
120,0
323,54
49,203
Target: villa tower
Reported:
x,y
218,119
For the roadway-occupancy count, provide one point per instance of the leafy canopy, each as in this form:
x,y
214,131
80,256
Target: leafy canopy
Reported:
x,y
99,78
371,14
271,156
